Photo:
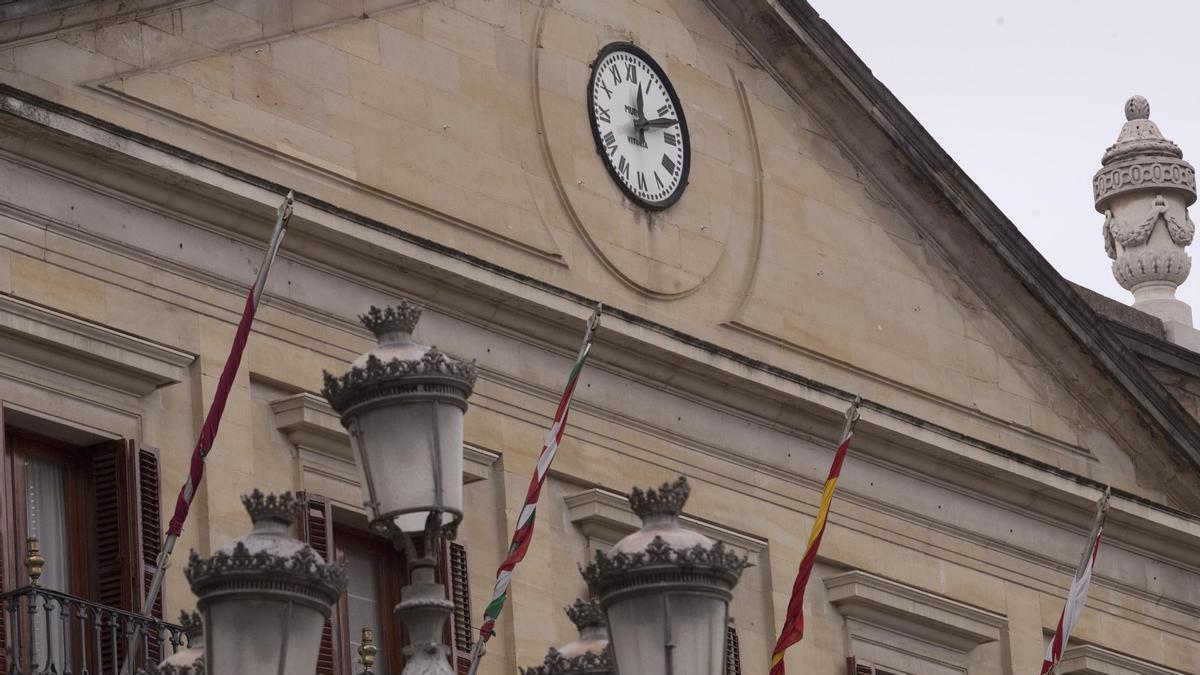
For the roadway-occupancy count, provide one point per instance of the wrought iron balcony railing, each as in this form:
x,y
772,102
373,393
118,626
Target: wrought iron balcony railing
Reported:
x,y
51,633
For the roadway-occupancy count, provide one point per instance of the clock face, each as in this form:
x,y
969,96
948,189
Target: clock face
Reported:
x,y
638,125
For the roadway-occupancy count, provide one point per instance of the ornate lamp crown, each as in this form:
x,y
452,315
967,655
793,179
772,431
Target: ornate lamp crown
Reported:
x,y
592,663
586,614
285,508
402,318
193,627
668,499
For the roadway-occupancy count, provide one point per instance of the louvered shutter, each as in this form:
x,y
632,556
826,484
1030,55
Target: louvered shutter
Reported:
x,y
733,651
8,547
853,667
317,530
127,528
460,592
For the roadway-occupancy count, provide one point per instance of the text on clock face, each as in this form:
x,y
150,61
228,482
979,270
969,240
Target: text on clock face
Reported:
x,y
638,125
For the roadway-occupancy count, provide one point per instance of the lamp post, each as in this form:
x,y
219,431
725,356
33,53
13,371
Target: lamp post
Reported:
x,y
665,590
403,404
264,597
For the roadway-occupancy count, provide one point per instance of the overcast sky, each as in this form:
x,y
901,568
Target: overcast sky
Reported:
x,y
1026,95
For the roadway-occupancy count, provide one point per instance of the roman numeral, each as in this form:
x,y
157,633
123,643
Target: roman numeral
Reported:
x,y
641,181
610,142
616,74
670,139
664,110
623,167
604,87
603,115
658,180
668,164
631,72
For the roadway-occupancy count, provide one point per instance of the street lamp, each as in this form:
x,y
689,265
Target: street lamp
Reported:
x,y
589,655
264,597
403,404
665,590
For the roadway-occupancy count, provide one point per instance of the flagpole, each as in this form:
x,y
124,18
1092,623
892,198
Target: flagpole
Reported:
x,y
1077,593
188,492
523,534
793,628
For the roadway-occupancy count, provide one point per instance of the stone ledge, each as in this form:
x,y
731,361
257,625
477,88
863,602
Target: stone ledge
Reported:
x,y
605,518
311,425
1093,660
909,610
87,350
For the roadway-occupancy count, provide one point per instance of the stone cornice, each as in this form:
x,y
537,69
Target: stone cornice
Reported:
x,y
87,350
911,610
1093,660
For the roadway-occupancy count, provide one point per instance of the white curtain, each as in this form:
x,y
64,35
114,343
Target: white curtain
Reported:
x,y
46,515
362,600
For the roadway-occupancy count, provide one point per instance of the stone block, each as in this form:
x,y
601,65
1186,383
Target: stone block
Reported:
x,y
386,91
62,63
313,61
214,26
7,62
234,117
314,147
569,35
272,91
358,38
162,90
419,59
214,73
470,37
122,41
162,48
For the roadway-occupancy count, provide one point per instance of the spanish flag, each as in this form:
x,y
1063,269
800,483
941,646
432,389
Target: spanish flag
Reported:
x,y
793,625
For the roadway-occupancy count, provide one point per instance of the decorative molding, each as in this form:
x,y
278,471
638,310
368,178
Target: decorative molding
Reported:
x,y
605,518
316,431
88,350
1093,660
882,602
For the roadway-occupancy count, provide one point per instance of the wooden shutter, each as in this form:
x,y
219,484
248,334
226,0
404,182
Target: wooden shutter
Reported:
x,y
460,592
127,527
317,530
733,651
8,547
853,667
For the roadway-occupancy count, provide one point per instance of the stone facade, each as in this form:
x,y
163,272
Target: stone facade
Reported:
x,y
440,151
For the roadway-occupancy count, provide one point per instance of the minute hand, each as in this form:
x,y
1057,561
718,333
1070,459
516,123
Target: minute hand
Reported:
x,y
658,123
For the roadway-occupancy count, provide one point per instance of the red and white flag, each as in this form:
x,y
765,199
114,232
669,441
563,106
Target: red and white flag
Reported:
x,y
1079,588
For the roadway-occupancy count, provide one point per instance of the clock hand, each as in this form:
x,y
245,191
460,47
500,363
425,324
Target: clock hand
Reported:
x,y
641,117
658,123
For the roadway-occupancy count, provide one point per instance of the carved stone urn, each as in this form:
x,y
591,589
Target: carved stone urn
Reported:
x,y
589,655
1144,189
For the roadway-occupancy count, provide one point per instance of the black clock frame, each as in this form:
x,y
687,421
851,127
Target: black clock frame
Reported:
x,y
684,137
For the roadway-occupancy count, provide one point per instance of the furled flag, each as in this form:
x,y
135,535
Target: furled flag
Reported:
x,y
1077,596
212,421
523,534
793,625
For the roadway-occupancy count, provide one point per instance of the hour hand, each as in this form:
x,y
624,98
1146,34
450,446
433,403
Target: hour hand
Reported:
x,y
658,123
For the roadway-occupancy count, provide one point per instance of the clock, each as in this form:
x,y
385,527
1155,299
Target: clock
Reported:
x,y
638,126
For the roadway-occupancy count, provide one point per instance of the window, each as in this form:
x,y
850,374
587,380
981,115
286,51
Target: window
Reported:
x,y
855,667
733,650
377,572
95,512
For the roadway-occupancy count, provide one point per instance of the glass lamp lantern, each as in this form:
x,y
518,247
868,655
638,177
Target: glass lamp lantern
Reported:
x,y
264,597
665,590
403,405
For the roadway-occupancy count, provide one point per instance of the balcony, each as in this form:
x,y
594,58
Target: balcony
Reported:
x,y
46,632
